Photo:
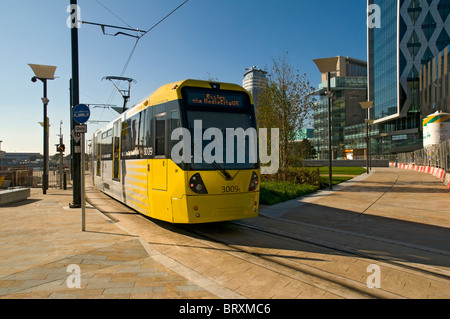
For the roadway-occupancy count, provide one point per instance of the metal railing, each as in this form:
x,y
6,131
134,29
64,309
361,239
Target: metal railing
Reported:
x,y
54,178
434,155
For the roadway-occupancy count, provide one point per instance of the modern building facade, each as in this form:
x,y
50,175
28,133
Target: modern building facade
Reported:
x,y
434,84
254,82
411,33
17,159
304,134
348,85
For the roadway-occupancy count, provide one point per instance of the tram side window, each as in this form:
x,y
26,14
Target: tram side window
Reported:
x,y
140,128
134,133
134,136
148,133
175,123
124,138
106,146
160,128
97,151
116,150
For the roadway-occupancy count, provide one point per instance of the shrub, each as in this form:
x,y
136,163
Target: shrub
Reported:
x,y
296,175
275,192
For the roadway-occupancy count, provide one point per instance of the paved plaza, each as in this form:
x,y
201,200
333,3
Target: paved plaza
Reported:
x,y
43,246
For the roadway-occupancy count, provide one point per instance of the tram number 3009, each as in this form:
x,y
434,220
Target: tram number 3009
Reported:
x,y
148,151
230,189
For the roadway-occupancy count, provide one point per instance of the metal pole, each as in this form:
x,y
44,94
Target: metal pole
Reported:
x,y
71,129
367,142
45,176
330,161
61,157
76,157
83,201
370,149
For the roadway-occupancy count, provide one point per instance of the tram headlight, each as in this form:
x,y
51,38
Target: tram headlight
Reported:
x,y
254,182
196,184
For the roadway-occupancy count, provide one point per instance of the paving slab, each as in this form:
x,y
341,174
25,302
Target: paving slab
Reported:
x,y
41,238
118,256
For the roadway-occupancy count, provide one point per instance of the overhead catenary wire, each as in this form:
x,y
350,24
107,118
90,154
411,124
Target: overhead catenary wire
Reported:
x,y
129,58
146,32
173,11
138,38
110,11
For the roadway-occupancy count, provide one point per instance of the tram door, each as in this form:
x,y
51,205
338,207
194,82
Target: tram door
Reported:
x,y
159,170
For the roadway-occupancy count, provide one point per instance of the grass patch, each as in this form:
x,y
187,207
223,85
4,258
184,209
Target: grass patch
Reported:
x,y
276,192
325,181
343,170
340,174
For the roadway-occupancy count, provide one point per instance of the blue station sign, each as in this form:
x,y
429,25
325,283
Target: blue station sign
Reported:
x,y
81,113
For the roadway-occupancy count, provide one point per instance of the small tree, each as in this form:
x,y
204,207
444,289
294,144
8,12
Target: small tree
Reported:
x,y
286,104
301,151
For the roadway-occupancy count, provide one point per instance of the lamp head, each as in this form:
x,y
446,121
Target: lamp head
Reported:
x,y
34,79
327,65
366,105
43,72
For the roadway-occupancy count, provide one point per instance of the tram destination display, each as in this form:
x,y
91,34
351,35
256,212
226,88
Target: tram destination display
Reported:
x,y
215,98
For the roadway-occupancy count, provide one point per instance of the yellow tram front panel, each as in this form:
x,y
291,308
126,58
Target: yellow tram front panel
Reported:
x,y
225,200
215,208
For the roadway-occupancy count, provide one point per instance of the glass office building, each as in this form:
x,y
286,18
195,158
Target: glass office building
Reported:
x,y
349,87
411,33
383,82
435,84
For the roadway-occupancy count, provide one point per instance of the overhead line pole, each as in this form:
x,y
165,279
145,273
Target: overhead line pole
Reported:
x,y
75,95
76,148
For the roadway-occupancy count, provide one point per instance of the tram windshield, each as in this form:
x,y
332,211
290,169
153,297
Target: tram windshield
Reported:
x,y
222,140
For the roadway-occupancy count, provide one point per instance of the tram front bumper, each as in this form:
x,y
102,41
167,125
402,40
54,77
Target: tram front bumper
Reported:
x,y
215,208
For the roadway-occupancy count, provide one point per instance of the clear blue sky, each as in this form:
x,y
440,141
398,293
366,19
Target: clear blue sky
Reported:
x,y
205,38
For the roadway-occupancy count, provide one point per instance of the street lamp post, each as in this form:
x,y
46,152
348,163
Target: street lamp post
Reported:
x,y
367,106
327,66
44,73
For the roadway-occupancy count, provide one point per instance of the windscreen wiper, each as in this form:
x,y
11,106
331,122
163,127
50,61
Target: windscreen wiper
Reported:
x,y
227,175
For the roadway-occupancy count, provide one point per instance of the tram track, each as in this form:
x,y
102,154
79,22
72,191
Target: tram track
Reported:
x,y
290,255
359,287
334,284
434,272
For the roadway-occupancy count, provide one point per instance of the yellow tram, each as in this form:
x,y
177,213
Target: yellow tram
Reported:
x,y
185,154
